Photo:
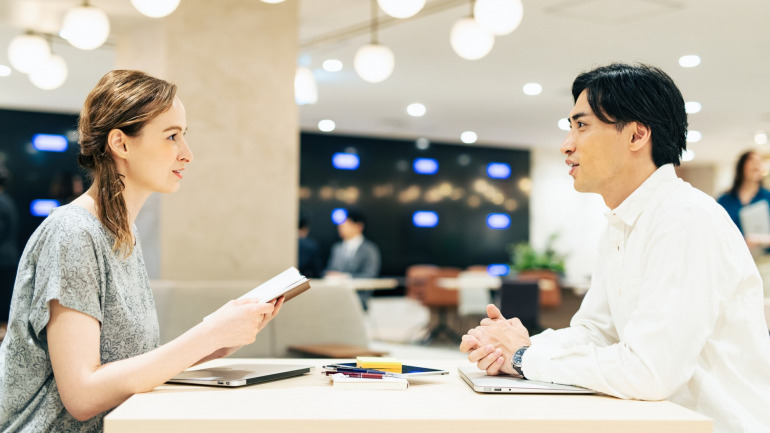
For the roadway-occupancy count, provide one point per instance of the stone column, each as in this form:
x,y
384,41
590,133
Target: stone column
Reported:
x,y
235,216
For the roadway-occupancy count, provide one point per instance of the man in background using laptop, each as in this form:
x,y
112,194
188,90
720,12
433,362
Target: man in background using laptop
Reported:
x,y
675,309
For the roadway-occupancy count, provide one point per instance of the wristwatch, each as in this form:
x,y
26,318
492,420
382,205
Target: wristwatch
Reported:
x,y
516,360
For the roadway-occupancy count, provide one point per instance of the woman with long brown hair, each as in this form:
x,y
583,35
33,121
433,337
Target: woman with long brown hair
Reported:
x,y
83,333
746,190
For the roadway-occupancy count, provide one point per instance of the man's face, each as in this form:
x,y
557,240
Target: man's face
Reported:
x,y
595,150
349,229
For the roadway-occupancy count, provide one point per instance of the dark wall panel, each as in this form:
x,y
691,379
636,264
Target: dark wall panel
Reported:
x,y
388,191
36,174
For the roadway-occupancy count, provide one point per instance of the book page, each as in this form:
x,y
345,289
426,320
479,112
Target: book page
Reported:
x,y
276,286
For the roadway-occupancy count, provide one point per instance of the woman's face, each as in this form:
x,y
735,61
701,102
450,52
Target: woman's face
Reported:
x,y
753,170
157,156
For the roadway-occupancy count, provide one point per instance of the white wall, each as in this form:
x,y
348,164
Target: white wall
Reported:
x,y
555,207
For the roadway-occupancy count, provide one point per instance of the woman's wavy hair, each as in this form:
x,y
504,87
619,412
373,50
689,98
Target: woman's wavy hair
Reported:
x,y
124,100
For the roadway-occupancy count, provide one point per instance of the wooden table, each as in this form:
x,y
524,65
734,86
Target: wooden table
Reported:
x,y
433,404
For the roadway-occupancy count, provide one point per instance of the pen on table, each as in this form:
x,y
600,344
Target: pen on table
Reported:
x,y
358,375
356,370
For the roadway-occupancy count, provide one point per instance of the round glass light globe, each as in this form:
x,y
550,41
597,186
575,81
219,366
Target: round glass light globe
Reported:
x,y
469,40
26,52
499,17
85,27
51,74
401,8
305,88
374,62
155,8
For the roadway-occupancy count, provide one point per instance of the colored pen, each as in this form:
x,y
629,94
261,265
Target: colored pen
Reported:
x,y
359,375
356,370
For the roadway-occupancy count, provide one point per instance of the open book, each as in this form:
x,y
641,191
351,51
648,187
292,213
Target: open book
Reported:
x,y
289,283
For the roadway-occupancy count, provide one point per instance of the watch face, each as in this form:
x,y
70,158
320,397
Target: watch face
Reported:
x,y
518,354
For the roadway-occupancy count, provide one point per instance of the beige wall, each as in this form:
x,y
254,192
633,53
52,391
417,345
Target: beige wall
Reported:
x,y
235,215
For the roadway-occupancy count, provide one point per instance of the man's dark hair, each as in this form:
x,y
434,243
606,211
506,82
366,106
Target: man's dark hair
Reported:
x,y
356,216
303,222
739,169
620,93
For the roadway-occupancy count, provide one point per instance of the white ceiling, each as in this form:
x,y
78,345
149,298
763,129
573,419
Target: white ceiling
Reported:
x,y
556,40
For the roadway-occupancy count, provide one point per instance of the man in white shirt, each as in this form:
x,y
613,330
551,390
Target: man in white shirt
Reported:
x,y
675,309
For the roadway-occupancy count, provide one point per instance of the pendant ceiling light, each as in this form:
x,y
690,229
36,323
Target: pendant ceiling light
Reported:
x,y
374,62
155,8
28,51
469,40
85,27
305,88
500,17
51,74
401,8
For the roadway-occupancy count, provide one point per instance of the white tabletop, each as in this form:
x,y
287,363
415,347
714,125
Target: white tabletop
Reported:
x,y
438,403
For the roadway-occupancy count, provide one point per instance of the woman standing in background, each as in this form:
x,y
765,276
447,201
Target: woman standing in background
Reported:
x,y
83,335
747,189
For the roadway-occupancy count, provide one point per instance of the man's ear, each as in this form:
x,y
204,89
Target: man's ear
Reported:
x,y
116,142
641,135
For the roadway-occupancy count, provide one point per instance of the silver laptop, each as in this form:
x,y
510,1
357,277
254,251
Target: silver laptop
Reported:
x,y
480,382
239,374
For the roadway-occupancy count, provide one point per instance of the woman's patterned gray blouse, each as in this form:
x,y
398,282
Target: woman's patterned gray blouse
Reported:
x,y
69,258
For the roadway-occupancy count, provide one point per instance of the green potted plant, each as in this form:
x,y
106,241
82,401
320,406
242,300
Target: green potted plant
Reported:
x,y
545,266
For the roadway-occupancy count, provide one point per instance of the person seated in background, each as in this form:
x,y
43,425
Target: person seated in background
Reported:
x,y
309,255
675,308
83,333
354,256
746,190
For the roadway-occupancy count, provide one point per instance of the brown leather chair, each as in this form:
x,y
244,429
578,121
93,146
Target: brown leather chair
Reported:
x,y
422,284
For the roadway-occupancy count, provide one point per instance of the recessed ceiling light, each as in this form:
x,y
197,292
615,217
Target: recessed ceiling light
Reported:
x,y
5,71
564,124
688,155
416,109
422,143
327,125
760,138
468,137
332,65
532,89
693,136
692,107
689,61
